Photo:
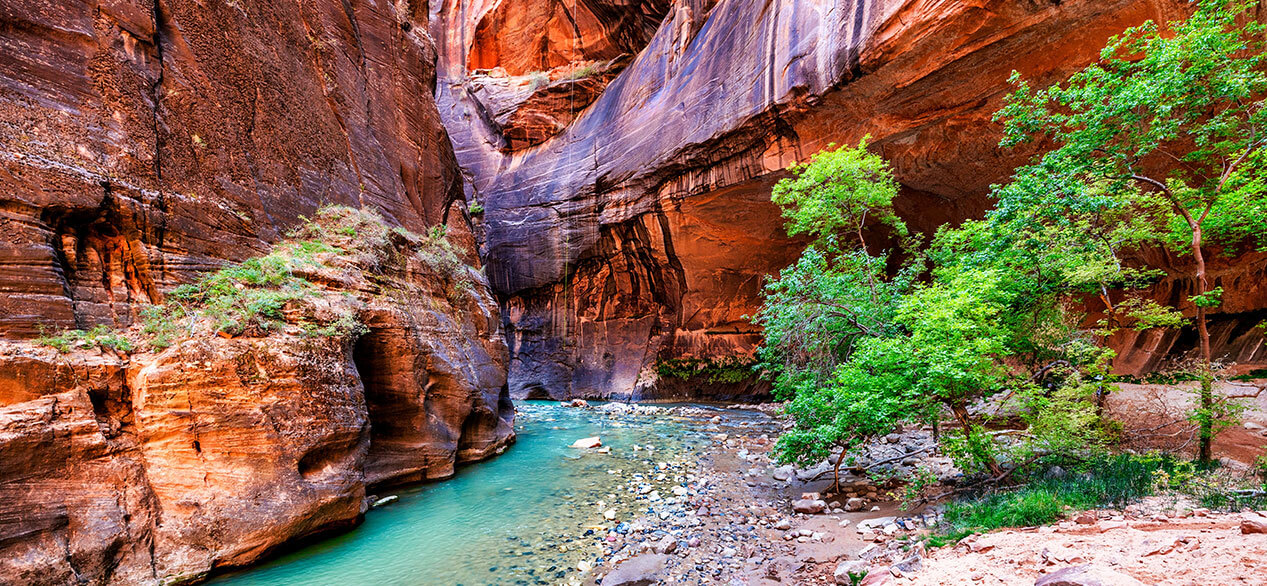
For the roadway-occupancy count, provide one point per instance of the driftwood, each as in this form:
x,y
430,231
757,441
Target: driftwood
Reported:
x,y
991,480
835,487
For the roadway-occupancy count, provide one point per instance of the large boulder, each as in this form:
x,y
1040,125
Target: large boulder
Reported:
x,y
807,506
1254,523
164,465
642,570
1087,575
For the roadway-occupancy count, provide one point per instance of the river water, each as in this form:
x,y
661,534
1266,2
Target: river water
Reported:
x,y
520,518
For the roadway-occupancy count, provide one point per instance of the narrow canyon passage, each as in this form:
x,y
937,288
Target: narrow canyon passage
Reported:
x,y
616,292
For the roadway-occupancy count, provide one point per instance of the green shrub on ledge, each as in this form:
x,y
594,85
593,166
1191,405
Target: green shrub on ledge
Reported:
x,y
250,297
730,369
101,336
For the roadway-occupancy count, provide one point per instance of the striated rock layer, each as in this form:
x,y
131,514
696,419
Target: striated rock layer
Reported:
x,y
167,465
643,232
144,142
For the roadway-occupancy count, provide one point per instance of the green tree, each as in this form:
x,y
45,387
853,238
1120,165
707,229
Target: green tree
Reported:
x,y
1160,142
857,347
837,302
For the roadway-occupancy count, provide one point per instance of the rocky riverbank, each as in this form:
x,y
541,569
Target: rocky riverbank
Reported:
x,y
729,515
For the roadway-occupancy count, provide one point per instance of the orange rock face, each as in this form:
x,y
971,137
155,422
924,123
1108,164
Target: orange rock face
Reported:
x,y
644,232
164,467
522,36
145,142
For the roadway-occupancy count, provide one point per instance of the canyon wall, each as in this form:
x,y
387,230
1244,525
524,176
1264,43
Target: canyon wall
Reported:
x,y
146,142
167,464
642,233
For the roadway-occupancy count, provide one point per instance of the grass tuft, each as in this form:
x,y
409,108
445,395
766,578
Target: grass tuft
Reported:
x,y
101,336
1109,481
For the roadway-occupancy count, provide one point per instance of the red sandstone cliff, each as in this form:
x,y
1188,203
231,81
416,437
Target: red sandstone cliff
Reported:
x,y
145,142
643,231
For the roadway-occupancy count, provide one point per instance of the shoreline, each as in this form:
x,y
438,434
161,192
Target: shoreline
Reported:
x,y
748,533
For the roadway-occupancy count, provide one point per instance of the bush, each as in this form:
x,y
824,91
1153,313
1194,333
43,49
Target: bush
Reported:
x,y
537,79
730,369
98,337
1110,481
582,72
1107,481
248,297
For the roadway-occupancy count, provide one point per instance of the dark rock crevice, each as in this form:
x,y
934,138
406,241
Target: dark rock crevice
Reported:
x,y
103,257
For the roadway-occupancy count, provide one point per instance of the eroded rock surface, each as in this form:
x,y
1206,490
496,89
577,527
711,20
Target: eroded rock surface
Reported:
x,y
644,231
165,466
144,141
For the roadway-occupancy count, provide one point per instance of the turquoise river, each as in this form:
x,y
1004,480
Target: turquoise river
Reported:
x,y
519,518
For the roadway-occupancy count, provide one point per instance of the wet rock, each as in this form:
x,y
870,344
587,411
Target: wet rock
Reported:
x,y
587,443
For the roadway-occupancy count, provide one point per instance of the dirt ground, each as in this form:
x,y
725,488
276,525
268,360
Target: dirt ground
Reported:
x,y
1155,418
1160,551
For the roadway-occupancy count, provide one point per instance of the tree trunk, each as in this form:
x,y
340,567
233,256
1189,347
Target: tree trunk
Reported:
x,y
1205,435
987,459
835,473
